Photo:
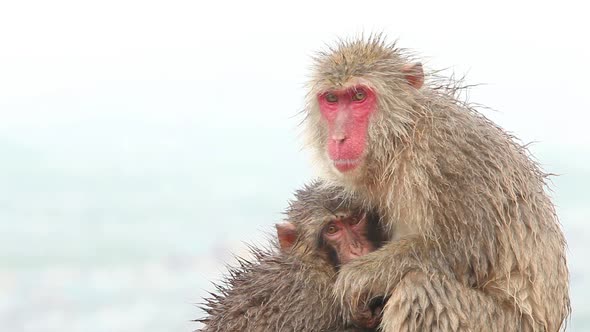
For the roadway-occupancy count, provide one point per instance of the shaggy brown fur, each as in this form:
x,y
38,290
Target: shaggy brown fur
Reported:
x,y
284,291
476,234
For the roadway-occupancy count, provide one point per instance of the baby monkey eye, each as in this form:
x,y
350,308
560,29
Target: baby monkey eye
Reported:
x,y
331,229
359,95
330,97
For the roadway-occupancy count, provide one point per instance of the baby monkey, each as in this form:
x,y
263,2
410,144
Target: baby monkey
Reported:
x,y
344,237
346,232
290,286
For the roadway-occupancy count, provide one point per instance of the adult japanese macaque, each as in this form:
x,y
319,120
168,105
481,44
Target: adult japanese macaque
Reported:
x,y
474,241
289,287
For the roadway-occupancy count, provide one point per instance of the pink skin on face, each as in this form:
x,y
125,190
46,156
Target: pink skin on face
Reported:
x,y
347,112
349,238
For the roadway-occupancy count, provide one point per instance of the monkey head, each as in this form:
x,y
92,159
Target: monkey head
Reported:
x,y
324,223
361,105
343,237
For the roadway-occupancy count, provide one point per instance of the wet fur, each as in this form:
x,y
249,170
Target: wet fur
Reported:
x,y
466,202
284,291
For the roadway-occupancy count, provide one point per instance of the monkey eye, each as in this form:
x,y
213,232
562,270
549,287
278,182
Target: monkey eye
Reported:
x,y
359,95
331,229
330,97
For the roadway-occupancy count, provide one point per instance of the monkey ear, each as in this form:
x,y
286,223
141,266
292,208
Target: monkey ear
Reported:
x,y
287,234
414,74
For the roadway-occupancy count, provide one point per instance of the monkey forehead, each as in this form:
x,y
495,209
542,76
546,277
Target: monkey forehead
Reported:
x,y
322,211
324,216
359,58
350,86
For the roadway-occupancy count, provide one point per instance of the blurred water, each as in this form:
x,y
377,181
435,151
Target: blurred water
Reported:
x,y
117,223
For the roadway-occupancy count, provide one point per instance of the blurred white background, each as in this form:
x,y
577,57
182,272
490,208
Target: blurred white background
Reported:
x,y
142,141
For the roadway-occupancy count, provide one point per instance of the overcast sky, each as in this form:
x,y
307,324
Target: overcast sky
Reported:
x,y
201,60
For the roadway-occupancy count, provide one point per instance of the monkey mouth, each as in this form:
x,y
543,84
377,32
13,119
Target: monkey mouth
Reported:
x,y
345,165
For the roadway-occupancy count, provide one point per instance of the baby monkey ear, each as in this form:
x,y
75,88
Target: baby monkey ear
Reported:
x,y
414,74
287,234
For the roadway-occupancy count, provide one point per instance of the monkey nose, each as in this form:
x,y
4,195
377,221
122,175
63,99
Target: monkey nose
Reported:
x,y
339,137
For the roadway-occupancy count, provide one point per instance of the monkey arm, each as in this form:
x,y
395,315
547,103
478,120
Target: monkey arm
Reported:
x,y
377,274
433,302
420,287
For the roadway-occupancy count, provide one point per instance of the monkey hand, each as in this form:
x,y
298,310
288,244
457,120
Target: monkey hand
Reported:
x,y
358,287
370,317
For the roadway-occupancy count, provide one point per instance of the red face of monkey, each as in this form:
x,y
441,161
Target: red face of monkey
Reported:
x,y
348,237
342,239
347,113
